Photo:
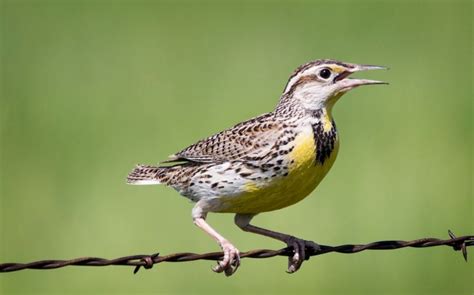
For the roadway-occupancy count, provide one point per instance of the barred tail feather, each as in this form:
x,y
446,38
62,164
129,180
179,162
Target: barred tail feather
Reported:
x,y
144,175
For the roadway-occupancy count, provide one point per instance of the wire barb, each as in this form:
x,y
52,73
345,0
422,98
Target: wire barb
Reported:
x,y
147,261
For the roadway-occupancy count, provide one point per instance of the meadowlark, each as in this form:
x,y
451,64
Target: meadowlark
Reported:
x,y
266,163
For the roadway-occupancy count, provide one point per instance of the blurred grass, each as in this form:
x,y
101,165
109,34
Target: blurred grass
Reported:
x,y
91,88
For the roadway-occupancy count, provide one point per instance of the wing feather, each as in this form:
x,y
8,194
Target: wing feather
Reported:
x,y
248,140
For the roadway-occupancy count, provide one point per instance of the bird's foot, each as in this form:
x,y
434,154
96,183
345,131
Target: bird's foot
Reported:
x,y
302,250
231,261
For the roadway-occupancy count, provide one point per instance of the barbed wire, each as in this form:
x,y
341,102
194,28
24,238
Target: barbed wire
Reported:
x,y
147,261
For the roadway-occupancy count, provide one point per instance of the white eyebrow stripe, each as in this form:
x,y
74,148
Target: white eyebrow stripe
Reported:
x,y
295,78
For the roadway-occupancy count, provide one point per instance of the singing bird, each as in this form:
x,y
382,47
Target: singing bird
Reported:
x,y
266,163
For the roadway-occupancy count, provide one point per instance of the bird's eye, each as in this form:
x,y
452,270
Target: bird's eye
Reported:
x,y
325,73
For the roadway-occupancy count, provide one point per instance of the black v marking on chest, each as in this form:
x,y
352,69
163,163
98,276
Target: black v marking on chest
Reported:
x,y
324,141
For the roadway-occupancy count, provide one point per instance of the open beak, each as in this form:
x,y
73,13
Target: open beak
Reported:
x,y
348,84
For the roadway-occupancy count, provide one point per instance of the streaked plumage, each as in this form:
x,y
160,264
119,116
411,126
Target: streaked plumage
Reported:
x,y
252,167
266,163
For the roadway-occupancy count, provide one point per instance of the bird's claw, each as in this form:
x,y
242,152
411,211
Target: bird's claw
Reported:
x,y
302,250
231,260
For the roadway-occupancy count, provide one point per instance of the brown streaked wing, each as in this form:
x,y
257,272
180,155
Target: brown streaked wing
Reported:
x,y
251,139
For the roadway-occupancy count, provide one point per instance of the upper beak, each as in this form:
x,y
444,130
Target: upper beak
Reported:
x,y
347,84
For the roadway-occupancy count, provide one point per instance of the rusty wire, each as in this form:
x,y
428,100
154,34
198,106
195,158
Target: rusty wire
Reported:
x,y
147,261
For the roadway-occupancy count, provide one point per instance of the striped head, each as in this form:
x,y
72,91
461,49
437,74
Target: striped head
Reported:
x,y
318,84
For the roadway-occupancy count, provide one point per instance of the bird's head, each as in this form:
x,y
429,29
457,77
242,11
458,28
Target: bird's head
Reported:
x,y
320,83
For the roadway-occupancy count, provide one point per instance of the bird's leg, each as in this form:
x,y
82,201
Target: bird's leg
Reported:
x,y
299,245
231,259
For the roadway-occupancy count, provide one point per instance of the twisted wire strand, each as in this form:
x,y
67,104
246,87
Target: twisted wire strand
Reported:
x,y
147,261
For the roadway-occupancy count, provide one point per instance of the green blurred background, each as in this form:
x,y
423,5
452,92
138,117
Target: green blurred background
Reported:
x,y
90,88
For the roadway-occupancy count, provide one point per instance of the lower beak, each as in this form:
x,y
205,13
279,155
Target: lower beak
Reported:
x,y
347,84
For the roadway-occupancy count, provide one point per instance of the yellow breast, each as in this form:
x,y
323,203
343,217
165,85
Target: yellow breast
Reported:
x,y
304,174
